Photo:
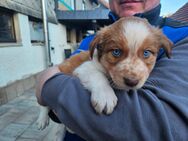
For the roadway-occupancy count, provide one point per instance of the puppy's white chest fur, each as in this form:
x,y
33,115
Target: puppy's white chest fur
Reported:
x,y
91,75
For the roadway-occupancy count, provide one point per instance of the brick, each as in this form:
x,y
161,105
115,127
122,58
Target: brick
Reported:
x,y
34,133
14,130
28,117
11,92
3,110
19,88
17,120
3,138
3,96
26,139
29,83
9,117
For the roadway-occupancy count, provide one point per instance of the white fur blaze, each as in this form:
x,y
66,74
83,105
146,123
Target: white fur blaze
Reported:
x,y
135,33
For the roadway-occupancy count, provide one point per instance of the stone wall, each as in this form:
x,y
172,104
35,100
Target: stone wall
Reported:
x,y
16,89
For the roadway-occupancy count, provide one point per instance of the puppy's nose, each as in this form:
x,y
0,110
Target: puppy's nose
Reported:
x,y
131,82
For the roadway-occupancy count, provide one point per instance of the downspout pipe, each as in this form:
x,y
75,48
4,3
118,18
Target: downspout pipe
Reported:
x,y
46,35
75,5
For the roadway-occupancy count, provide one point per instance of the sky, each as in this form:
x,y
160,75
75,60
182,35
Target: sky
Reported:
x,y
171,6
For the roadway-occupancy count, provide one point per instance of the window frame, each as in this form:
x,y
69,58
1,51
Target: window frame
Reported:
x,y
36,20
13,30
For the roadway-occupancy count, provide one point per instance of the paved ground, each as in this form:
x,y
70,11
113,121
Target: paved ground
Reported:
x,y
18,117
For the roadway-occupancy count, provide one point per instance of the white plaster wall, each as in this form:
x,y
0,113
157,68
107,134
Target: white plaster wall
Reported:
x,y
24,59
58,40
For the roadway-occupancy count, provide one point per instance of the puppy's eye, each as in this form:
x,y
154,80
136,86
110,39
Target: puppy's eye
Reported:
x,y
116,52
147,53
99,47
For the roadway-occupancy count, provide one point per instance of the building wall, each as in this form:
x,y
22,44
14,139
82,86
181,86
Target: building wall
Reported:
x,y
58,40
31,7
23,59
79,5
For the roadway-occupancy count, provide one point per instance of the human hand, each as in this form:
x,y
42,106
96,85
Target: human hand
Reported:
x,y
42,78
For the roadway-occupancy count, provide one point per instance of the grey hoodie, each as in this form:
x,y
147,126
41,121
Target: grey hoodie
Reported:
x,y
156,112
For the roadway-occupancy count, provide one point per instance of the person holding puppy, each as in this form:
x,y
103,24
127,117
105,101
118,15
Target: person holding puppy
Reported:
x,y
156,112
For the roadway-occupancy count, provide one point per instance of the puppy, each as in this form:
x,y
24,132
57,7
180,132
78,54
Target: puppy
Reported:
x,y
121,56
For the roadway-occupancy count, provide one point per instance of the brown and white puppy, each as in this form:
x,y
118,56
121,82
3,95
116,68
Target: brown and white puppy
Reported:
x,y
125,54
122,56
127,50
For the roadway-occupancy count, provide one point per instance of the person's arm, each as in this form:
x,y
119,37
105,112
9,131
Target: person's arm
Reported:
x,y
156,112
42,78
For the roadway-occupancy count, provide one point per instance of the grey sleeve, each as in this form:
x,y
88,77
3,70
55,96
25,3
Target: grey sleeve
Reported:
x,y
156,112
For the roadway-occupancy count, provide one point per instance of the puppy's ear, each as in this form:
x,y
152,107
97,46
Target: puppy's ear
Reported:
x,y
94,45
99,41
164,42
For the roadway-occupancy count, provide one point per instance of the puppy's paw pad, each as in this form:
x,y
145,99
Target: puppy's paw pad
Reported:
x,y
110,105
104,101
42,123
98,104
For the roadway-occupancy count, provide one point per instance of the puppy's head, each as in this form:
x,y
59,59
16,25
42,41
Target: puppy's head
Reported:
x,y
128,50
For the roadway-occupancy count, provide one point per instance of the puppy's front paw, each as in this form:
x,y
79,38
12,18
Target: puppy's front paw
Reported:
x,y
43,119
42,122
104,100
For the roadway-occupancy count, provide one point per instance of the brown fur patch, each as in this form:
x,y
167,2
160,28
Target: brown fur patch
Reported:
x,y
69,65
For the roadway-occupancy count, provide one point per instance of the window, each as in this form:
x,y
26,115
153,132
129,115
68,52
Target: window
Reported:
x,y
68,35
7,32
67,53
36,31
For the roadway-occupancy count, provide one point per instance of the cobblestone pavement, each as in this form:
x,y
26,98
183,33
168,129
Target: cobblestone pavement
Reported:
x,y
18,117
